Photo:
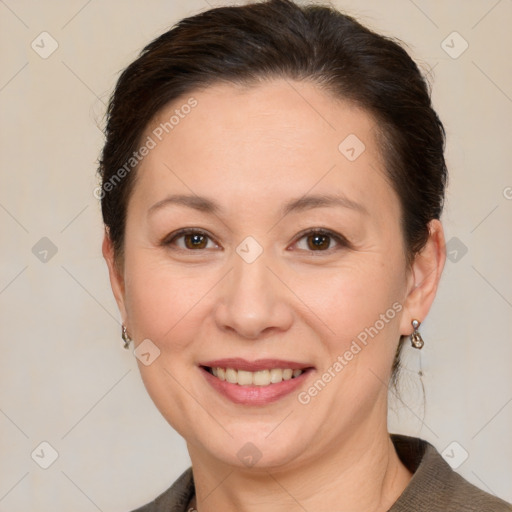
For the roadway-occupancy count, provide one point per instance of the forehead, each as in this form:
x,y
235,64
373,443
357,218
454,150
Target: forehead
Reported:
x,y
272,140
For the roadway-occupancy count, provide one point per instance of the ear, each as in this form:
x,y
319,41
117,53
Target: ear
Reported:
x,y
116,277
424,278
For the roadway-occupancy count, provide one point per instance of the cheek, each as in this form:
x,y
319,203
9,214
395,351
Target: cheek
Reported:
x,y
355,295
360,307
159,305
161,298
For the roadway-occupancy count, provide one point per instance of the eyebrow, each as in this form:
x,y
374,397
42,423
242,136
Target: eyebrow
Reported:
x,y
206,205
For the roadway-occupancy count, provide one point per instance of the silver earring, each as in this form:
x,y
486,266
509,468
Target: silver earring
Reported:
x,y
416,339
126,338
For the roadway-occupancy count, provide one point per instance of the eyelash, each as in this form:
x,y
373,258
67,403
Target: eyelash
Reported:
x,y
340,239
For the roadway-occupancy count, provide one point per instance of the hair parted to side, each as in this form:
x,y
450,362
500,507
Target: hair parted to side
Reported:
x,y
247,44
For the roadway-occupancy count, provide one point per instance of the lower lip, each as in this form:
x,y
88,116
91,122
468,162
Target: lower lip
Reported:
x,y
255,395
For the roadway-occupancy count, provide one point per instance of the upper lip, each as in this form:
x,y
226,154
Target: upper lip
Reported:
x,y
254,366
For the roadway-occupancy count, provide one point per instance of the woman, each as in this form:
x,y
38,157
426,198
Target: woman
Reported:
x,y
272,183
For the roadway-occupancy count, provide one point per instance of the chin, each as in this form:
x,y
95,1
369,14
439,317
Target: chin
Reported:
x,y
250,450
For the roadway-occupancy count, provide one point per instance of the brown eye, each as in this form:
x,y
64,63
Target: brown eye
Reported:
x,y
190,239
320,241
196,241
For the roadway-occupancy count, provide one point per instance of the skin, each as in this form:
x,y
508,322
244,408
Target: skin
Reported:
x,y
251,150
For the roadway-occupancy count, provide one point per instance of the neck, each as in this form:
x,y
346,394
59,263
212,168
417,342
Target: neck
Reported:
x,y
361,474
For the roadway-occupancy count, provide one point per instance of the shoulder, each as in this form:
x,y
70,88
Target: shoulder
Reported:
x,y
435,486
174,499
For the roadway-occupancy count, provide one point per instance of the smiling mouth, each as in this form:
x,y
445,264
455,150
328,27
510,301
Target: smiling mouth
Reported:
x,y
257,378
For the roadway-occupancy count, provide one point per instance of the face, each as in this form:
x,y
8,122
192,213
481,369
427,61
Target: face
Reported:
x,y
262,236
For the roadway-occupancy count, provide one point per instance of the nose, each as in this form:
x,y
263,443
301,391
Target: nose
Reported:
x,y
253,300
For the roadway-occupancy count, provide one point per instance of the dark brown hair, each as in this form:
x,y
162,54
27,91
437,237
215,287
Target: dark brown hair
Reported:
x,y
278,38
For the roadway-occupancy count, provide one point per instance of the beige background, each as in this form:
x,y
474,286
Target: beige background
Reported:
x,y
65,378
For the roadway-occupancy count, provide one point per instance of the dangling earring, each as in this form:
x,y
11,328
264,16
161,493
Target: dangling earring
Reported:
x,y
124,334
416,339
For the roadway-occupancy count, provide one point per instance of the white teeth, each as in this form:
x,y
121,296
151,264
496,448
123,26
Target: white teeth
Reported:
x,y
260,378
231,375
276,375
244,378
257,378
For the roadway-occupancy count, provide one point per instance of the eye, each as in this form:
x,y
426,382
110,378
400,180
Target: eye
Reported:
x,y
192,239
321,240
